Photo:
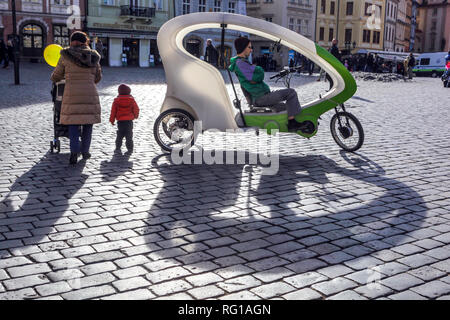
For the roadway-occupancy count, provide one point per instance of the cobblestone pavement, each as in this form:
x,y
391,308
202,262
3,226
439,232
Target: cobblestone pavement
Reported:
x,y
330,225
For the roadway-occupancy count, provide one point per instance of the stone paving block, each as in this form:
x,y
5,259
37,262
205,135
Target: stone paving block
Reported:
x,y
267,263
130,272
24,282
89,293
334,286
305,279
131,284
77,251
272,290
12,262
65,274
54,288
336,257
443,265
161,264
274,274
27,270
239,283
363,263
303,294
372,291
335,271
233,271
406,295
439,253
391,268
99,267
324,248
140,294
68,263
306,265
386,255
416,260
167,274
206,292
428,243
401,281
243,295
204,279
347,295
407,249
131,261
170,287
23,294
427,273
432,289
310,241
91,281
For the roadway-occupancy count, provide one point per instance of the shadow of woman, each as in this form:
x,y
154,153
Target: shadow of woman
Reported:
x,y
313,213
117,166
40,199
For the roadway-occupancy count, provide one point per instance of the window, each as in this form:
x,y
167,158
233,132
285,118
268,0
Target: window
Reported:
x,y
61,2
435,10
376,37
201,5
232,7
217,6
186,6
349,10
322,6
366,36
321,34
299,25
330,34
433,25
348,35
425,61
158,4
269,19
291,24
367,9
108,2
306,27
332,9
61,35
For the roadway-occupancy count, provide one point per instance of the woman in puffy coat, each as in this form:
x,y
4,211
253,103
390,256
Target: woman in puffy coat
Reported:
x,y
80,67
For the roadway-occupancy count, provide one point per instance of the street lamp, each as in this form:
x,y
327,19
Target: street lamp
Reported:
x,y
15,41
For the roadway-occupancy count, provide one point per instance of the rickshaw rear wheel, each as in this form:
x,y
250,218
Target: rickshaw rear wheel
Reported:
x,y
347,131
174,128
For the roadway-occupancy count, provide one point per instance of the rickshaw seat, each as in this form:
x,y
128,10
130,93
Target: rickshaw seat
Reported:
x,y
279,107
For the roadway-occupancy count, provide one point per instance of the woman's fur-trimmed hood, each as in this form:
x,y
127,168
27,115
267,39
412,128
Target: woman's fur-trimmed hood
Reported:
x,y
81,56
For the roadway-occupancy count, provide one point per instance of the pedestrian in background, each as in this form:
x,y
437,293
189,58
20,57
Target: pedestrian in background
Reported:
x,y
334,50
9,55
2,51
80,67
124,110
211,54
410,63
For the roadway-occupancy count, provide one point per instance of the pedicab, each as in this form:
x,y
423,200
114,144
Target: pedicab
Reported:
x,y
196,90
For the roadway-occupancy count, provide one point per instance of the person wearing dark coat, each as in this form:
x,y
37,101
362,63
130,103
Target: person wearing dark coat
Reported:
x,y
9,55
334,50
211,54
2,51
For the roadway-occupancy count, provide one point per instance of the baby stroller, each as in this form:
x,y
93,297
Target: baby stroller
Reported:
x,y
59,129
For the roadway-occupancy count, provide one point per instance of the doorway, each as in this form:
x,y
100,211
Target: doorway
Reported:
x,y
193,47
131,49
32,40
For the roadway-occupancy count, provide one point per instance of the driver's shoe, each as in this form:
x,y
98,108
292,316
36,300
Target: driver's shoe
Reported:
x,y
294,126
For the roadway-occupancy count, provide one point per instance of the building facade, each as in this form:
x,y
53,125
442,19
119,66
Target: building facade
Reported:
x,y
40,23
390,24
296,15
433,26
401,37
125,31
355,24
195,42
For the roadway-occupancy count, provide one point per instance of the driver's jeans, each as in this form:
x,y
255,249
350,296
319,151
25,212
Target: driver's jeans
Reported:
x,y
289,95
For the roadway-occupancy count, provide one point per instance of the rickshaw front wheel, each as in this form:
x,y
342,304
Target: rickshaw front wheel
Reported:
x,y
347,131
174,129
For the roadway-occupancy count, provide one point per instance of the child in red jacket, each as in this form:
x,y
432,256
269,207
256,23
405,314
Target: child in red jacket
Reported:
x,y
125,110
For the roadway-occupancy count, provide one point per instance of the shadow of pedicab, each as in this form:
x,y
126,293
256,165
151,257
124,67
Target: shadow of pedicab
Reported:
x,y
218,216
40,198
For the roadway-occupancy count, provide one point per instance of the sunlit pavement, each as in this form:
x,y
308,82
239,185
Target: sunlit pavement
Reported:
x,y
374,224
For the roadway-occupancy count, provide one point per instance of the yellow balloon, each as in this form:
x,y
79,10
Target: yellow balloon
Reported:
x,y
52,54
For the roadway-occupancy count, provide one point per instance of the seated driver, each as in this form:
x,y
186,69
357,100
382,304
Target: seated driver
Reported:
x,y
251,79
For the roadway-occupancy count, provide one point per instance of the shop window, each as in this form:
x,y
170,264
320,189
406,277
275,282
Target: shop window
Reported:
x,y
61,35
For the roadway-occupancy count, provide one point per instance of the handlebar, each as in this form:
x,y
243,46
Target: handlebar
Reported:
x,y
285,72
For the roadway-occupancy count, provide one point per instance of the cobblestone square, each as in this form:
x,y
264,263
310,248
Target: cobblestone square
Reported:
x,y
329,225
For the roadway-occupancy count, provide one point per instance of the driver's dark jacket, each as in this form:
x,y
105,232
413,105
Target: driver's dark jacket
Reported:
x,y
250,77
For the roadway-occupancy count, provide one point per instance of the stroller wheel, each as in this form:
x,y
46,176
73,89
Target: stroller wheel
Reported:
x,y
51,146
